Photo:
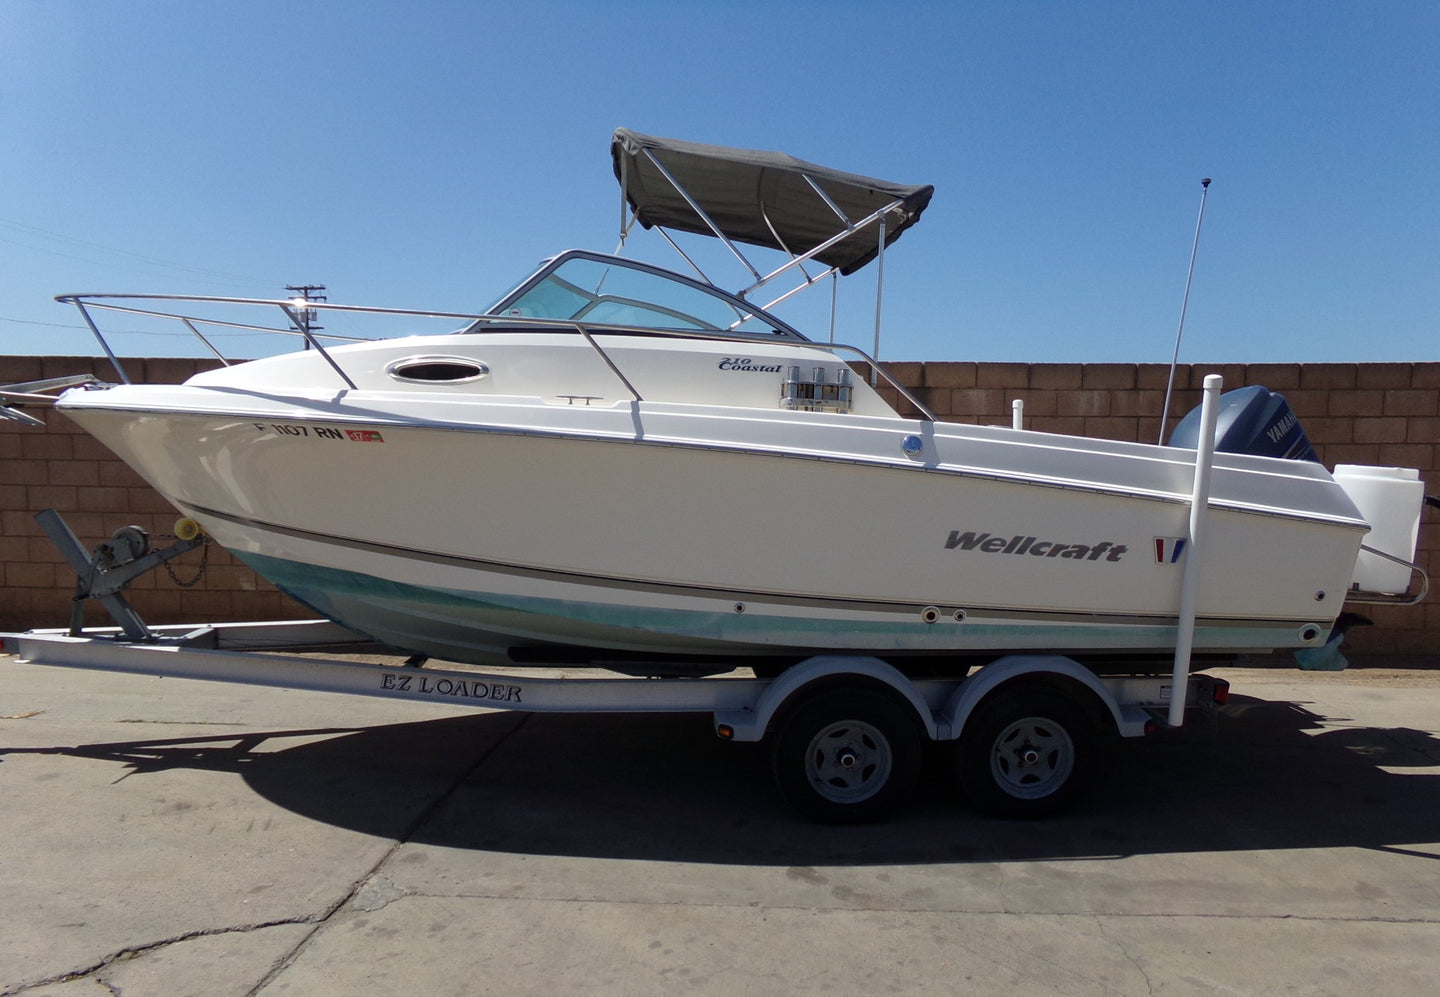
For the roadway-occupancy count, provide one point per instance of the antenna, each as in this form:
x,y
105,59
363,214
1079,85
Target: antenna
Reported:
x,y
1184,303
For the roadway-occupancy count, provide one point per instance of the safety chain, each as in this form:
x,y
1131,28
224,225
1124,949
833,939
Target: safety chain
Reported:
x,y
199,573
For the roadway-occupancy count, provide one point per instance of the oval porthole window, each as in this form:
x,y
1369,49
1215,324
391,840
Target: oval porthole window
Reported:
x,y
437,370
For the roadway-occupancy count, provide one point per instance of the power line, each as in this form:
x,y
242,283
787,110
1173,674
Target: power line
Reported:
x,y
194,272
181,334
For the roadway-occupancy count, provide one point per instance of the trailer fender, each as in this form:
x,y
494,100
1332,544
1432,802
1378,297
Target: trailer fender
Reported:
x,y
751,723
969,693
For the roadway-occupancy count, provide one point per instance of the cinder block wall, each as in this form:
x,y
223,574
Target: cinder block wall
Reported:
x,y
1387,414
63,468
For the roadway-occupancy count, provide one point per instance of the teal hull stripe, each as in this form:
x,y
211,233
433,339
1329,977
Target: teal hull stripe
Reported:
x,y
342,595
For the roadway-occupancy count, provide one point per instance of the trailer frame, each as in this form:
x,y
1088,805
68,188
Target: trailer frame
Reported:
x,y
846,731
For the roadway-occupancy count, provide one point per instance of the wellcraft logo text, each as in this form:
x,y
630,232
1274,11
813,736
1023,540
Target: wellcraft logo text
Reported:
x,y
1105,550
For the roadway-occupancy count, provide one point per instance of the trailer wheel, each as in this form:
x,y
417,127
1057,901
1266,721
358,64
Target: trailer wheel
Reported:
x,y
1026,753
847,755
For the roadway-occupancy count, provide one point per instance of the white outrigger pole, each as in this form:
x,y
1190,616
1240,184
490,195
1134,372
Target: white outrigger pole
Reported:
x,y
1190,576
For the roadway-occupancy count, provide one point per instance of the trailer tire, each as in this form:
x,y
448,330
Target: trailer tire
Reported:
x,y
847,755
1027,753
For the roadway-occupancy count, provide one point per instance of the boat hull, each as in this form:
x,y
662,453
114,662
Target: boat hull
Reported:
x,y
466,529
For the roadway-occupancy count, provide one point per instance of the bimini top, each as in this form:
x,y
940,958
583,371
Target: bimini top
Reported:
x,y
761,198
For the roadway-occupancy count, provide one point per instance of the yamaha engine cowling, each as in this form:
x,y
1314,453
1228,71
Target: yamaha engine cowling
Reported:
x,y
1251,420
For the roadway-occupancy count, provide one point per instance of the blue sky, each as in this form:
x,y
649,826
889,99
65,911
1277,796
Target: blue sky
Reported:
x,y
428,154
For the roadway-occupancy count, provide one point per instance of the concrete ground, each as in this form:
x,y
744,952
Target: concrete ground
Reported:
x,y
160,836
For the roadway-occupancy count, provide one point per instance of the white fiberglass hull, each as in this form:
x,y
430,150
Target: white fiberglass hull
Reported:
x,y
464,527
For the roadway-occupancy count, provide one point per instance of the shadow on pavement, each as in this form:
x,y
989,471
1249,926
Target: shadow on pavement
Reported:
x,y
1265,775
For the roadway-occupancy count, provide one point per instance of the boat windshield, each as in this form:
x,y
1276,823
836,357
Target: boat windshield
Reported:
x,y
606,290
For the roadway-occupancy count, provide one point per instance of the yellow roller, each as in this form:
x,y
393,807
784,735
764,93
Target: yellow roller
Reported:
x,y
186,529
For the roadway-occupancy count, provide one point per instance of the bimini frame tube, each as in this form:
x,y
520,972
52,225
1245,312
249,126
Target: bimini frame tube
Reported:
x,y
879,293
1190,578
878,215
709,222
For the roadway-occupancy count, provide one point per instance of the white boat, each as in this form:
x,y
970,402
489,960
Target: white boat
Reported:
x,y
629,466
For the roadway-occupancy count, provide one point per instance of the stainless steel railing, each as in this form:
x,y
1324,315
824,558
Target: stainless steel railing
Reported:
x,y
296,324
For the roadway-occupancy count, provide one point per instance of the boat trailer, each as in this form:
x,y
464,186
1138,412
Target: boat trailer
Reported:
x,y
1026,732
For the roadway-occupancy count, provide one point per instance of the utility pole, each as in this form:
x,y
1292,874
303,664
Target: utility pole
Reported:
x,y
306,316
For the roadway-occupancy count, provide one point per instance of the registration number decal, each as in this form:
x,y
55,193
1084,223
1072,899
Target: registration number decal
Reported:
x,y
321,432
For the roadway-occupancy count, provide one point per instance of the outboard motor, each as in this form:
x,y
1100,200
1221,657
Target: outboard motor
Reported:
x,y
1259,422
1251,420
